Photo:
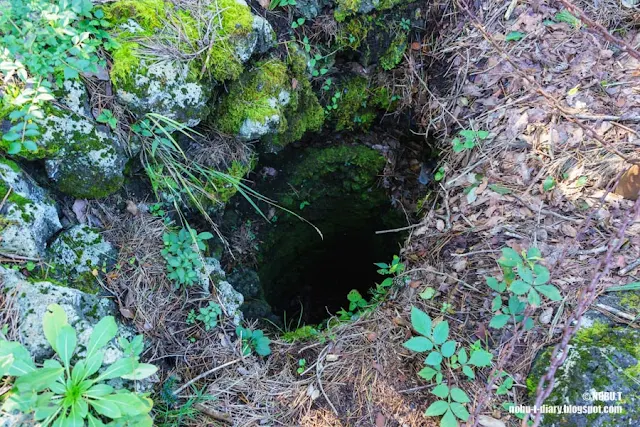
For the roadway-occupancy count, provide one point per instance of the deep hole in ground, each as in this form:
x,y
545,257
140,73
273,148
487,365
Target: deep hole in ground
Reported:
x,y
305,277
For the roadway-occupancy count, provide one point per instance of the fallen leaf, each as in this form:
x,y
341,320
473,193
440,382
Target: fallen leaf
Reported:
x,y
331,357
294,83
126,313
416,45
132,208
568,230
440,225
264,3
415,283
78,208
372,336
381,420
487,421
546,315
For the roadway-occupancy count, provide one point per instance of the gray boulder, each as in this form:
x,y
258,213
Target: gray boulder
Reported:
x,y
214,276
310,8
77,252
28,217
259,40
85,160
166,88
83,311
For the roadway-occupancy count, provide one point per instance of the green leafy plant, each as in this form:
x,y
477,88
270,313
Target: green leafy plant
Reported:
x,y
566,16
396,267
106,117
327,84
304,204
405,24
61,393
333,104
43,44
208,315
548,184
182,253
440,173
514,36
467,139
253,341
441,350
281,3
297,23
302,366
451,408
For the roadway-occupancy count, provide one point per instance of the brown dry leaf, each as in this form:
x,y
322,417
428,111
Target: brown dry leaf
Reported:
x,y
294,84
487,421
416,46
415,283
460,265
132,208
127,313
568,230
381,420
264,3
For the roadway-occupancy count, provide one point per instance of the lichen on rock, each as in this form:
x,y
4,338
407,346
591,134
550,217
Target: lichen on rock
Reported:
x,y
77,252
213,277
28,217
83,310
602,357
89,160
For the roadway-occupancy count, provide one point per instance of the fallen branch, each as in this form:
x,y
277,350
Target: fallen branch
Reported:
x,y
201,376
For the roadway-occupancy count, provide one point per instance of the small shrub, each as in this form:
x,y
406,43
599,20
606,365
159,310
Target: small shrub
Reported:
x,y
182,253
207,315
62,394
467,139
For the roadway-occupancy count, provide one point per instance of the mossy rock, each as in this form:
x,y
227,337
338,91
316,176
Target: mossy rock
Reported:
x,y
89,161
346,8
602,357
179,86
28,218
83,310
78,254
265,102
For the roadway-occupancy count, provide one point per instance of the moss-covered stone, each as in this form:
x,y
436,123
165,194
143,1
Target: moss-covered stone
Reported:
x,y
602,357
222,189
346,8
88,162
213,44
395,52
78,254
353,110
265,102
28,216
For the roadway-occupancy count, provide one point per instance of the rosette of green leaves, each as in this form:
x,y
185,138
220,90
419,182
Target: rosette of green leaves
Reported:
x,y
63,394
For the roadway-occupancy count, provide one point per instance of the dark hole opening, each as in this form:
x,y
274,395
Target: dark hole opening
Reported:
x,y
311,280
